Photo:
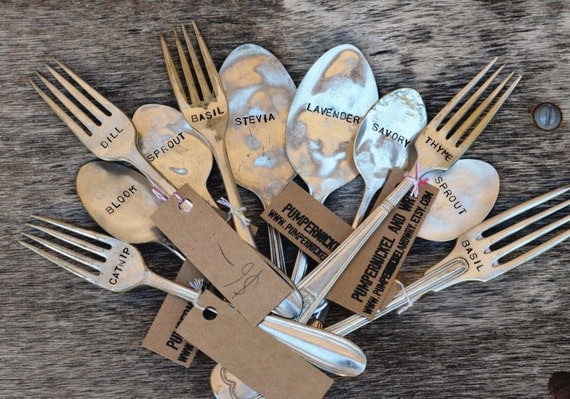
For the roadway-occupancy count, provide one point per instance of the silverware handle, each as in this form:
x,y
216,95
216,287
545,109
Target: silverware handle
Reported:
x,y
325,350
440,274
136,159
170,287
276,248
221,157
315,287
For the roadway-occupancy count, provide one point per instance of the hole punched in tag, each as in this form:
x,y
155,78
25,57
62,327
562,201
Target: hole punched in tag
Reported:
x,y
184,204
209,313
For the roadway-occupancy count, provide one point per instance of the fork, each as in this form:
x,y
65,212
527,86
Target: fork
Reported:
x,y
478,254
111,136
103,128
206,110
118,266
438,147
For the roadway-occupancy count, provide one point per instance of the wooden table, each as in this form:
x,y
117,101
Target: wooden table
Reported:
x,y
61,337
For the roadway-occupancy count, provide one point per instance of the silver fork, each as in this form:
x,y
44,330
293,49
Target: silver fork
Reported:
x,y
112,136
206,110
119,267
438,147
479,257
109,135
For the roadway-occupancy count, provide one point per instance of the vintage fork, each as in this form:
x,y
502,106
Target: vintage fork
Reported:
x,y
112,136
478,254
438,147
104,129
206,110
118,266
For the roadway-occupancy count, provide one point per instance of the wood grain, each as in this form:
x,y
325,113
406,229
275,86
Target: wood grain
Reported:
x,y
62,337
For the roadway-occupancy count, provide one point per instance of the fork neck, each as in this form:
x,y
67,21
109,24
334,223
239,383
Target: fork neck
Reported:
x,y
172,288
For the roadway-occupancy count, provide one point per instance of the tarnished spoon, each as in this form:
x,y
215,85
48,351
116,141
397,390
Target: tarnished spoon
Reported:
x,y
179,165
467,193
385,140
167,142
259,92
121,201
325,114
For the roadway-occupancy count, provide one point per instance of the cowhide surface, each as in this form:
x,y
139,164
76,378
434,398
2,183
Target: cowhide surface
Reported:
x,y
63,338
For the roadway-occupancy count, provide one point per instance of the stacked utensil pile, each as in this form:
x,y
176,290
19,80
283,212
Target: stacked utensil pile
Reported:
x,y
259,318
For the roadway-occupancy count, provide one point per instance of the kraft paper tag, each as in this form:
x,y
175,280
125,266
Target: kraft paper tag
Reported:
x,y
255,357
237,270
162,337
304,221
365,287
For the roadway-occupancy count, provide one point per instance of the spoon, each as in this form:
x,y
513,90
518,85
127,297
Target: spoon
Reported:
x,y
121,201
326,111
167,142
467,193
259,92
385,141
444,221
178,163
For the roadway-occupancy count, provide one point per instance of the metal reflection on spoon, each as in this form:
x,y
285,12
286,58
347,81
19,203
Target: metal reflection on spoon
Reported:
x,y
169,144
259,92
385,140
326,112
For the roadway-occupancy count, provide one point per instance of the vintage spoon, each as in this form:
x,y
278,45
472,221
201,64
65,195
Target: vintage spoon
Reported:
x,y
179,164
443,221
385,141
121,201
467,193
167,142
325,114
259,92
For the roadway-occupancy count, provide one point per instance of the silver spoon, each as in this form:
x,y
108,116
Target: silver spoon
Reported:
x,y
259,92
385,140
121,201
467,193
167,142
443,221
327,109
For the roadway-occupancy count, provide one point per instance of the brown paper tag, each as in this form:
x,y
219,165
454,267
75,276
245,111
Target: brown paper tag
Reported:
x,y
238,271
162,337
255,357
365,286
308,224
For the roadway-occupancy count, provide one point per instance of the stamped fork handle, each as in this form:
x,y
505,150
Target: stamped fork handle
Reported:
x,y
328,351
221,157
315,287
445,271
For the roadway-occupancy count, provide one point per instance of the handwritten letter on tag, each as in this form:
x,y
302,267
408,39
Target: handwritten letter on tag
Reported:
x,y
237,270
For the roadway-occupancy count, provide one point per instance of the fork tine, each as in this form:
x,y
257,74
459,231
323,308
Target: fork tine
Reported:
x,y
87,246
77,94
78,230
457,98
60,249
534,252
213,75
532,236
175,82
526,222
74,126
484,121
71,267
517,210
204,87
190,82
469,103
105,103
